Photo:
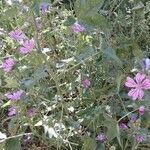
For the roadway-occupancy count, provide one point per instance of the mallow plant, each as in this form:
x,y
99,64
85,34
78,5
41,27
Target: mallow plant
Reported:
x,y
74,75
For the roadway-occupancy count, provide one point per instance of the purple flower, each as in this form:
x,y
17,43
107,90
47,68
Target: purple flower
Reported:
x,y
30,112
146,63
86,83
8,64
44,7
137,86
11,111
141,110
140,138
17,35
123,126
77,28
133,117
14,96
27,46
101,137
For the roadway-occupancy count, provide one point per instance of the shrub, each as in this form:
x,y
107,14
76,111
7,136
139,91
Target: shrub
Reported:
x,y
74,75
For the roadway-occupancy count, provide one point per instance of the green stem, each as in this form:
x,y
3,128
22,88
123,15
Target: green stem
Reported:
x,y
126,115
36,33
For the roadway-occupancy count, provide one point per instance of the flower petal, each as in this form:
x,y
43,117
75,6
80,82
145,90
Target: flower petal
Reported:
x,y
141,94
133,93
130,82
141,110
146,63
9,95
139,77
31,43
24,50
146,84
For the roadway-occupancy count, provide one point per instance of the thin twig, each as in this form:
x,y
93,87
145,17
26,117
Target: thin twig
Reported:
x,y
15,136
127,115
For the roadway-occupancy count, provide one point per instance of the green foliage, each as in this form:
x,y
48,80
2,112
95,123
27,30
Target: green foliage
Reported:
x,y
57,107
88,143
13,143
87,11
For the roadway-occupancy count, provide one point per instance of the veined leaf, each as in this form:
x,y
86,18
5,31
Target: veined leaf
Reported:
x,y
87,11
111,54
89,144
137,51
11,83
85,53
10,13
13,144
70,20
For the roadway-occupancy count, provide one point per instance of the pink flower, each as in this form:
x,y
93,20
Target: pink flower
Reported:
x,y
86,83
137,86
146,63
123,126
17,35
11,111
77,28
27,46
141,110
14,96
133,118
140,138
101,137
44,7
8,64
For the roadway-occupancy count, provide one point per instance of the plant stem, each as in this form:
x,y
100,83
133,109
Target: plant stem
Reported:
x,y
126,115
36,33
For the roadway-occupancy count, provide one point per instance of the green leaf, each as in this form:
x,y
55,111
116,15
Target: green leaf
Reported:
x,y
100,146
85,53
137,52
35,8
119,81
70,21
11,82
138,6
89,144
110,54
13,144
48,1
36,59
40,73
9,13
118,135
85,6
27,83
87,11
111,132
113,128
146,100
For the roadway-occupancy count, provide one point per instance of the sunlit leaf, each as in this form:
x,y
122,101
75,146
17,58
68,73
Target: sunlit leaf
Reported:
x,y
89,144
87,11
13,144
